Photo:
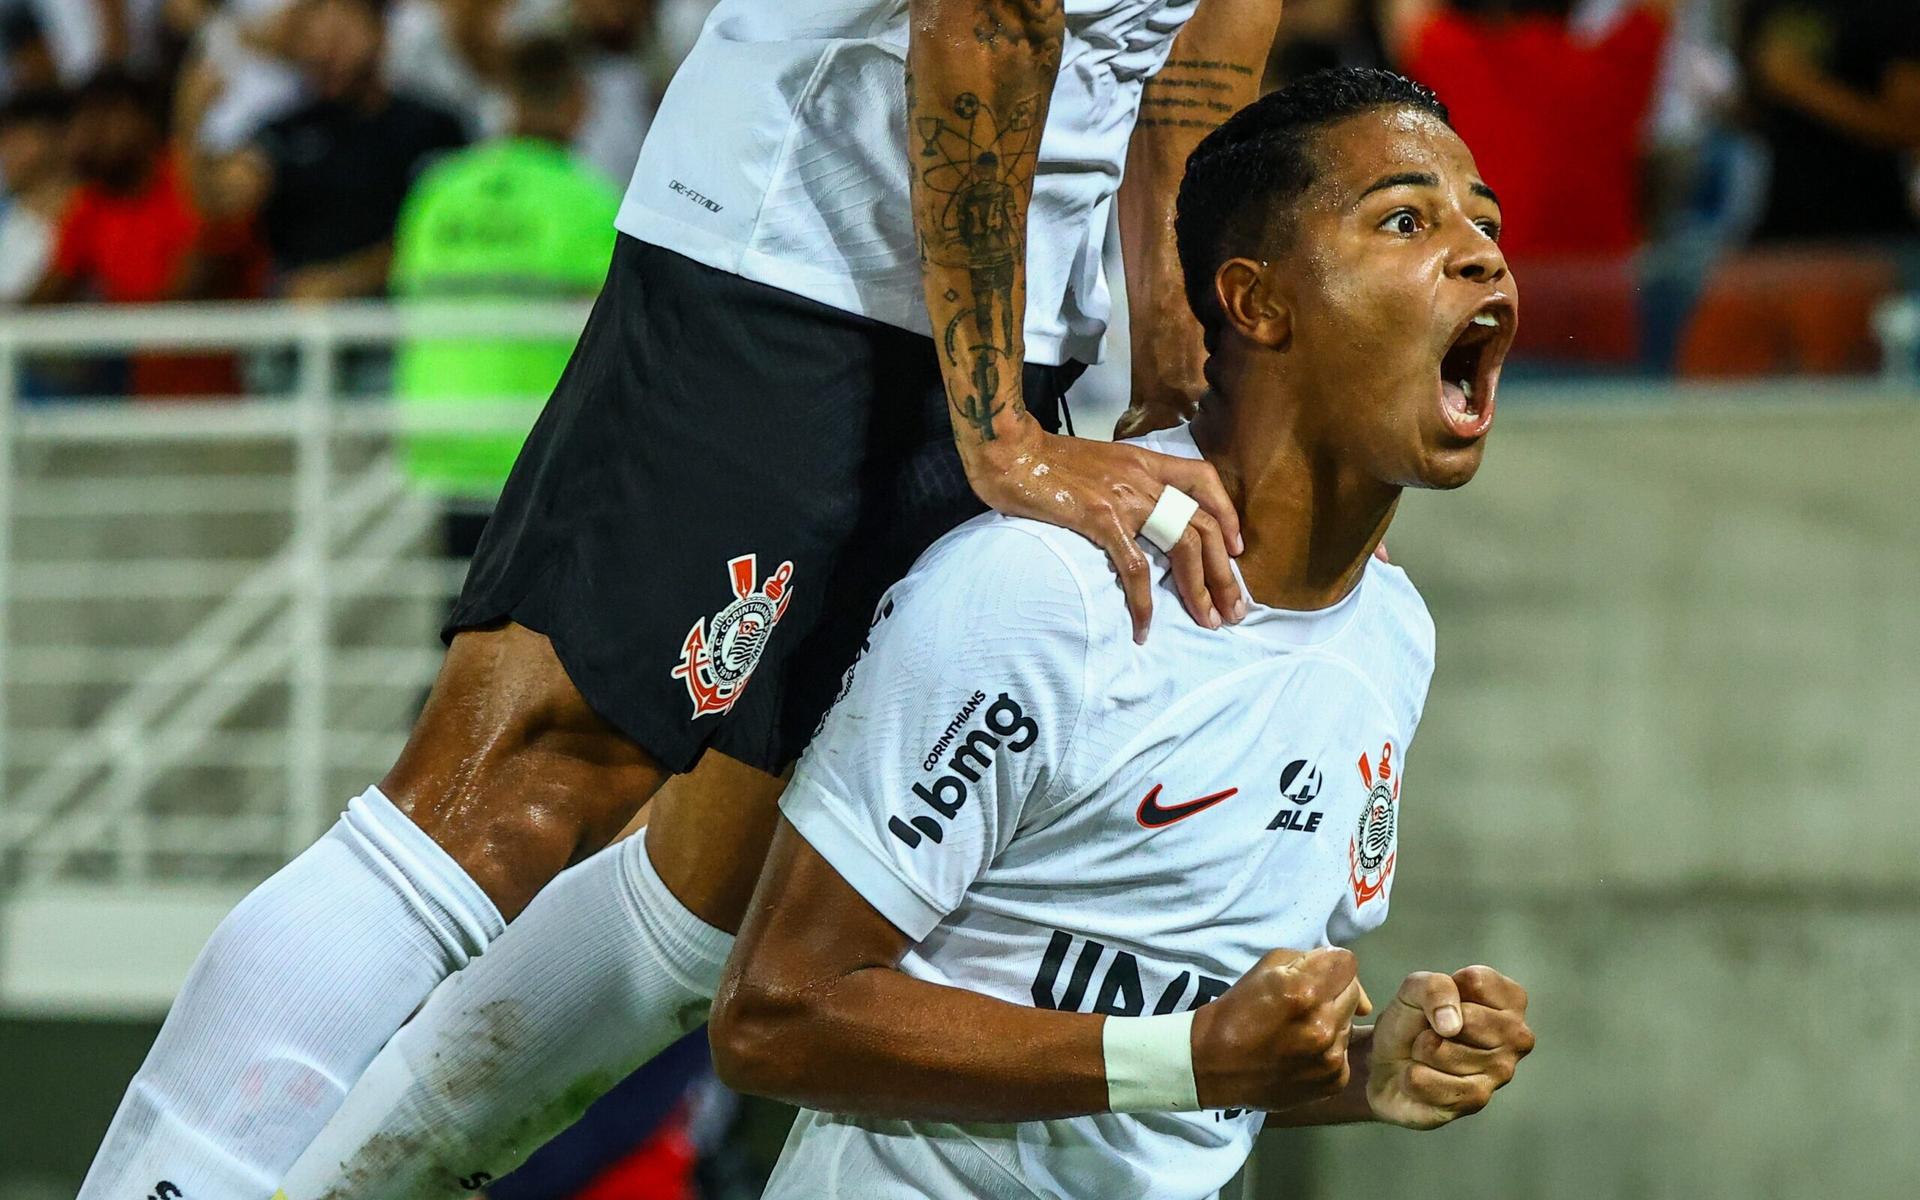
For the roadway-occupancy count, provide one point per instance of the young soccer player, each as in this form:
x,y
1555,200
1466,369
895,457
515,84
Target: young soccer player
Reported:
x,y
1036,875
1025,854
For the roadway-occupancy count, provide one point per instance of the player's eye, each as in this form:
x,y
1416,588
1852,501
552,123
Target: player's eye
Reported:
x,y
1490,227
1402,221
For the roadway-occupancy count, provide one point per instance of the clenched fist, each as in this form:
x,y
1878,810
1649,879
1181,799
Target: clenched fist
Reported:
x,y
1444,1045
1278,1037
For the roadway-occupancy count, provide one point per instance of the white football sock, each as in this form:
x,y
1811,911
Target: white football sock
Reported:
x,y
296,991
604,970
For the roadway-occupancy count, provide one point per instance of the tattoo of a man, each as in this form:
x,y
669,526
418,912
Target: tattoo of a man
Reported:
x,y
980,164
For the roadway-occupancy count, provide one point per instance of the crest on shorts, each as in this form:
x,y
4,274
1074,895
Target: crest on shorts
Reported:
x,y
721,652
1371,853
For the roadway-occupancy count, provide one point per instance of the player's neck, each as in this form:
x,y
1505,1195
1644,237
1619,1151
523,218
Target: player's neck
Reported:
x,y
1310,524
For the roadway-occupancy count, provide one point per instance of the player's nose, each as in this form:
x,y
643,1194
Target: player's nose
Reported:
x,y
1474,256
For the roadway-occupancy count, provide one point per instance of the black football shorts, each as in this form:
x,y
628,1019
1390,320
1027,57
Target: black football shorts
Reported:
x,y
725,480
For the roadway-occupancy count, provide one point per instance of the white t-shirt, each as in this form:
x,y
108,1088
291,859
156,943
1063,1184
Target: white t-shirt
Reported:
x,y
1061,818
780,153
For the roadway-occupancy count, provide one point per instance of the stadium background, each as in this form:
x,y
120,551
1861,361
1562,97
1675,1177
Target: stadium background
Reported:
x,y
1668,762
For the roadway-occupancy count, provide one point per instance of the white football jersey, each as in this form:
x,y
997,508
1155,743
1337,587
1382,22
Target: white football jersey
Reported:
x,y
780,153
1061,818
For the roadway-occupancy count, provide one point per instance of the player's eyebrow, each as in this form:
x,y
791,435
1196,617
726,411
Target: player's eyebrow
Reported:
x,y
1403,179
1425,179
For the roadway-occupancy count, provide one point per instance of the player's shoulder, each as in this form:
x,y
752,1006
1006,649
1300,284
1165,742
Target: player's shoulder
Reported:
x,y
1396,648
997,573
1401,605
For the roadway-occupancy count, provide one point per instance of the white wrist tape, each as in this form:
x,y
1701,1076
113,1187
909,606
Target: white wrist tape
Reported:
x,y
1171,515
1150,1063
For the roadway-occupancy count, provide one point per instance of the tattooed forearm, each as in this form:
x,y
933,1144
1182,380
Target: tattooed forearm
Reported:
x,y
976,108
1213,71
1194,94
976,169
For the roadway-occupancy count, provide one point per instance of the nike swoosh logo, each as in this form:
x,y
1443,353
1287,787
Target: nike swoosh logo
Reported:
x,y
1154,815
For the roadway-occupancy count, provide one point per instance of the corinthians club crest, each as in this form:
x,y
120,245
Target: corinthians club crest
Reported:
x,y
1371,853
720,653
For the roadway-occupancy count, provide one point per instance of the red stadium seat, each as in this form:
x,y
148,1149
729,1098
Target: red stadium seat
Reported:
x,y
1801,310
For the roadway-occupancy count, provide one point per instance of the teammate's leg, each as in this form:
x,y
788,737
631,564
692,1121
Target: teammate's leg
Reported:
x,y
607,967
507,778
706,839
512,772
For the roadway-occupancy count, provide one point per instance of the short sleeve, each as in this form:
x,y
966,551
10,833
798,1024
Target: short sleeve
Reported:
x,y
957,718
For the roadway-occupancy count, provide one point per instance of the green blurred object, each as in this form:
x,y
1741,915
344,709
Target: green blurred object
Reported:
x,y
514,219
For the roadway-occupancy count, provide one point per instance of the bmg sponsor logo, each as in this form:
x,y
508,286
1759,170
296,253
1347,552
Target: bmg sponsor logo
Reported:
x,y
1003,725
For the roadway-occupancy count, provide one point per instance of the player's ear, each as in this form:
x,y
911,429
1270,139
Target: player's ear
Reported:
x,y
1250,304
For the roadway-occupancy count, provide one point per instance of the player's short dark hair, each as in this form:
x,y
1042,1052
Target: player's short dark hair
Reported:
x,y
1244,179
542,71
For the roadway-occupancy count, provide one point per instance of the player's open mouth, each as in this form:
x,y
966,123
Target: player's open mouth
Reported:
x,y
1470,369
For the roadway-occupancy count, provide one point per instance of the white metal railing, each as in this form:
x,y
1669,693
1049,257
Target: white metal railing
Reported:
x,y
162,702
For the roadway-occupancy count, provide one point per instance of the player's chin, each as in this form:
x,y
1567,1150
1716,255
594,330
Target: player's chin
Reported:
x,y
1448,461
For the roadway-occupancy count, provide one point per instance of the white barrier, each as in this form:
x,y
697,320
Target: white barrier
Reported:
x,y
91,781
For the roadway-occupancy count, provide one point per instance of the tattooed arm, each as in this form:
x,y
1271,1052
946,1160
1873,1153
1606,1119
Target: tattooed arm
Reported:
x,y
979,76
1213,72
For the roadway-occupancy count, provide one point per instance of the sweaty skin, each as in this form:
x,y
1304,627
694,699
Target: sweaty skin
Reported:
x,y
980,75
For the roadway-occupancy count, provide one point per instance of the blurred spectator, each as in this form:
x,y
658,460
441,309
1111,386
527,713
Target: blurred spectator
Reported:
x,y
132,235
615,34
239,75
518,218
81,38
36,182
1835,89
451,52
26,56
1556,118
328,179
1834,93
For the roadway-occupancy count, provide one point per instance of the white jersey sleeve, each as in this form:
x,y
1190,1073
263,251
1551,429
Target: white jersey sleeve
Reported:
x,y
955,721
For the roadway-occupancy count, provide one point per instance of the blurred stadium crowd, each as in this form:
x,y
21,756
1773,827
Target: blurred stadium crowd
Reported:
x,y
1701,187
157,150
